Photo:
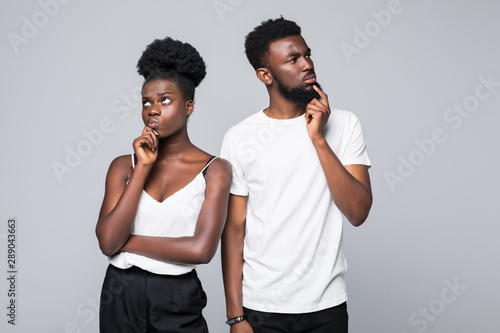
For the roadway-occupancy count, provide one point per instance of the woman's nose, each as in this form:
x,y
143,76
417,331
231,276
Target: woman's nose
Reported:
x,y
155,110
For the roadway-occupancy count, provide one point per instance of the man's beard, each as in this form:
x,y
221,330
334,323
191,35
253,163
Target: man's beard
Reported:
x,y
298,95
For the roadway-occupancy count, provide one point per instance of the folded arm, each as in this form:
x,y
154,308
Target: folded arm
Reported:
x,y
120,203
201,247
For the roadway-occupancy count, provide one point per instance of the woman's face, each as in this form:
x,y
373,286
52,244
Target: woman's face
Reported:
x,y
164,108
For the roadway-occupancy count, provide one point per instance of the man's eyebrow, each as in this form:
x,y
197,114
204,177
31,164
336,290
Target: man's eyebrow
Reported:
x,y
292,54
296,54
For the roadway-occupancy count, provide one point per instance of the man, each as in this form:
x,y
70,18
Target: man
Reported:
x,y
297,167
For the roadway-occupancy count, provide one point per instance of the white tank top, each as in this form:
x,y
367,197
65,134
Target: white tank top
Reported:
x,y
176,216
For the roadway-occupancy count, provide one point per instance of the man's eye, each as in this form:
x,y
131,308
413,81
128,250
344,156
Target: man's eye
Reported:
x,y
146,103
165,101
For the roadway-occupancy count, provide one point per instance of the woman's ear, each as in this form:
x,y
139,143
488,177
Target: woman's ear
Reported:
x,y
264,76
189,107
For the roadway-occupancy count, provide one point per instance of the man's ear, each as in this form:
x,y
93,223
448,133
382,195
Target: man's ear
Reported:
x,y
264,76
189,107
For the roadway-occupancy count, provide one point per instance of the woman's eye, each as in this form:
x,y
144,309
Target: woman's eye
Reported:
x,y
166,101
146,103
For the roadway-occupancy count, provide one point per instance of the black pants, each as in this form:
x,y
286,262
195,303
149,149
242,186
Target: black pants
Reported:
x,y
134,300
331,320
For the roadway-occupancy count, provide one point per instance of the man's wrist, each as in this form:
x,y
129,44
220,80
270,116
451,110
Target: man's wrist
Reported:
x,y
234,310
236,320
319,141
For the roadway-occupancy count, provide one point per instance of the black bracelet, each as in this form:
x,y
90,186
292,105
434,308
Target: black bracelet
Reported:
x,y
236,320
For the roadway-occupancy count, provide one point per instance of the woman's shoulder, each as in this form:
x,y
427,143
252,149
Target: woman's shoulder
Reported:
x,y
219,168
121,166
219,162
123,161
213,161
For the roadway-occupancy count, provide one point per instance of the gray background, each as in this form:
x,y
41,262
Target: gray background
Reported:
x,y
426,260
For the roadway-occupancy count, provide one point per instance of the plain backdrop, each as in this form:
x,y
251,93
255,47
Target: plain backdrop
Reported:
x,y
423,77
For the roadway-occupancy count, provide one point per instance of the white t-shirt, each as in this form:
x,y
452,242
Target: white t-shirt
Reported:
x,y
293,255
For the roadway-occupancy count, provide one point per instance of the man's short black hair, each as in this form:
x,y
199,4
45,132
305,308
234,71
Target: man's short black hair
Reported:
x,y
173,60
257,41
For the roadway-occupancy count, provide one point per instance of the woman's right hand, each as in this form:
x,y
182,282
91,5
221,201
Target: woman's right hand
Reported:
x,y
146,146
241,327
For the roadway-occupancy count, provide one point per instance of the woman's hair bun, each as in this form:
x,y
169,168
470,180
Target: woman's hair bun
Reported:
x,y
166,55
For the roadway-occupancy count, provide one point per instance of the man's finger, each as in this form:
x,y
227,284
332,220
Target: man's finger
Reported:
x,y
324,97
317,103
318,107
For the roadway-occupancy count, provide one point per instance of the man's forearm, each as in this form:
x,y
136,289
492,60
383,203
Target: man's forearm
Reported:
x,y
232,270
349,185
232,242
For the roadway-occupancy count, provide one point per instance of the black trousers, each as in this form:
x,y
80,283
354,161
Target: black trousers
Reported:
x,y
331,320
134,300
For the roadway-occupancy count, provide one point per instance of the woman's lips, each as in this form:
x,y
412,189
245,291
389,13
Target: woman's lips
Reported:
x,y
153,123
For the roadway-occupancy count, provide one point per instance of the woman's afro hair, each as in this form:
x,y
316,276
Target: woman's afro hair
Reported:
x,y
172,59
257,41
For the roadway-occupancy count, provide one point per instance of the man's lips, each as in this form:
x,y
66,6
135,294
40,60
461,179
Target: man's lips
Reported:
x,y
153,123
310,79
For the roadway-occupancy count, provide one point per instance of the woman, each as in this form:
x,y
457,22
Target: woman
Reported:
x,y
164,206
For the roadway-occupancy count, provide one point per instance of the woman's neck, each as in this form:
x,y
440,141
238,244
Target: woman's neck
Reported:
x,y
174,145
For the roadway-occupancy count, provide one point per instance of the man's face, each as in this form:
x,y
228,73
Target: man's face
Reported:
x,y
292,68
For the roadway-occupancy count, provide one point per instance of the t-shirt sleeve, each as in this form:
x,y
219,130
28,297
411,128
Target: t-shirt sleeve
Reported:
x,y
355,152
239,184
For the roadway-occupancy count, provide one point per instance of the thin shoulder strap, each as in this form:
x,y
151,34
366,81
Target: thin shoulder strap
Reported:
x,y
204,171
134,160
